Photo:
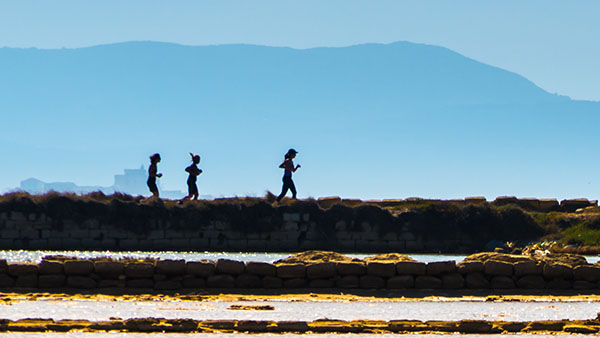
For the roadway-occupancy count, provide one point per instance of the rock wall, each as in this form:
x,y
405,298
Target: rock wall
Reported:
x,y
412,225
229,274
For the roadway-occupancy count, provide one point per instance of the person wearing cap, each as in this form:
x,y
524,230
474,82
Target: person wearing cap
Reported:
x,y
288,167
153,174
194,171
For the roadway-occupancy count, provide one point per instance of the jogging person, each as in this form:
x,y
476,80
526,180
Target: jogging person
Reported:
x,y
288,167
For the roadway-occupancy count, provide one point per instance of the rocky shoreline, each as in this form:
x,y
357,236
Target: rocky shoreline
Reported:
x,y
162,325
312,270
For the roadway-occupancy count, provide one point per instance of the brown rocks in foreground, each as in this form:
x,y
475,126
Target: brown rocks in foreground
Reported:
x,y
391,271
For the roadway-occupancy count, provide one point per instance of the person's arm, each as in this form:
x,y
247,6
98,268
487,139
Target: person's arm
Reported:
x,y
282,165
297,166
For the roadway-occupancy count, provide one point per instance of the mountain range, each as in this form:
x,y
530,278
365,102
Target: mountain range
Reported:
x,y
370,120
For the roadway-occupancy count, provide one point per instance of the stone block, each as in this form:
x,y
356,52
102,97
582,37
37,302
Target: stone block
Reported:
x,y
291,217
371,282
559,284
27,281
347,244
348,282
192,282
548,204
80,233
200,244
29,234
308,245
159,277
295,283
6,243
502,282
51,281
50,268
527,268
428,282
475,200
55,243
17,216
111,283
78,267
453,281
474,327
81,282
407,236
321,283
229,267
237,244
21,269
248,281
572,205
351,268
161,244
343,235
91,243
440,268
401,282
476,280
503,200
557,270
139,270
9,234
169,284
140,283
291,271
583,285
71,243
180,243
590,273
6,281
170,267
365,236
411,268
381,269
261,269
155,234
220,281
469,267
531,282
201,269
321,270
497,268
270,282
109,268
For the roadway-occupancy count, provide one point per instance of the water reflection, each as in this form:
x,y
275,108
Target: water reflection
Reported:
x,y
36,255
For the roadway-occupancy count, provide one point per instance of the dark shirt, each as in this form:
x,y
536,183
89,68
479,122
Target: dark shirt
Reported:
x,y
193,171
152,171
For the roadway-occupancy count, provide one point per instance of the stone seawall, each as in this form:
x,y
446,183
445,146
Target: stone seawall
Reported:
x,y
57,222
492,272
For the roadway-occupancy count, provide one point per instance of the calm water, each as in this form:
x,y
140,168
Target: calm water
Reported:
x,y
36,255
300,310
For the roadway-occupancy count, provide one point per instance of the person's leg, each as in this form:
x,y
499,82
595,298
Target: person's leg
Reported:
x,y
284,189
293,189
194,192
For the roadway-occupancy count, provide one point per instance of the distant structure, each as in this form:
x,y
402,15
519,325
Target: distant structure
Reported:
x,y
35,186
132,182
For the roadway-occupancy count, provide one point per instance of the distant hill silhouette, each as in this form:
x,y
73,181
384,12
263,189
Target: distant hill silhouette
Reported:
x,y
424,103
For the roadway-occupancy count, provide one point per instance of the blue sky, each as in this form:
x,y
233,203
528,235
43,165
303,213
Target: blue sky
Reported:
x,y
552,43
